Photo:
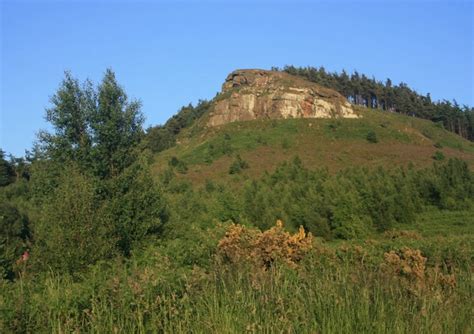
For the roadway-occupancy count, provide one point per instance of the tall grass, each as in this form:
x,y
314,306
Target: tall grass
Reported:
x,y
339,290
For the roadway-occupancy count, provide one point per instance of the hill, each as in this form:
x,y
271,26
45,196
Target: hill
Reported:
x,y
300,248
266,117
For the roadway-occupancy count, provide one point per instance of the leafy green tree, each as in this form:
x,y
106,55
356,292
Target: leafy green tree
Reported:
x,y
69,115
116,126
73,229
136,206
98,129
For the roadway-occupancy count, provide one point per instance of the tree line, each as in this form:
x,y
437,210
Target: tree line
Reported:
x,y
161,137
371,93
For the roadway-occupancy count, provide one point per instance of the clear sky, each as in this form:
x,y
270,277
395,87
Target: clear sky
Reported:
x,y
168,54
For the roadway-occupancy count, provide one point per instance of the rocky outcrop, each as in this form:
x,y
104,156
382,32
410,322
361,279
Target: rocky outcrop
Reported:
x,y
255,94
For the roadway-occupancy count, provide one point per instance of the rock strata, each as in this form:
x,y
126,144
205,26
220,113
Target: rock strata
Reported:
x,y
259,94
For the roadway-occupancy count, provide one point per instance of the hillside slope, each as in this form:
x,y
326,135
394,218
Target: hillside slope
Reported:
x,y
335,144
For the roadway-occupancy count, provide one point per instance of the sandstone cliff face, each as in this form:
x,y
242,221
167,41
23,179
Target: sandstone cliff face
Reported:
x,y
255,94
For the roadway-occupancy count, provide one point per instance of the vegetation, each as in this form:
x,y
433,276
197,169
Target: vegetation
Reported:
x,y
161,137
372,137
95,238
368,92
237,166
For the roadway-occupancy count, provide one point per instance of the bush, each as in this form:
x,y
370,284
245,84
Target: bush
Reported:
x,y
237,166
14,234
372,137
438,156
262,249
179,165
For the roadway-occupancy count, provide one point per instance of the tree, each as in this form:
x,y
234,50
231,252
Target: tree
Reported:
x,y
89,180
136,206
69,115
73,230
361,90
6,170
116,126
97,129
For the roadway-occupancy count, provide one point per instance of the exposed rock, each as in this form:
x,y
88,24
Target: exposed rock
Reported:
x,y
254,94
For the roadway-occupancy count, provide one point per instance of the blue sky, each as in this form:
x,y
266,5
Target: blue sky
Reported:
x,y
168,54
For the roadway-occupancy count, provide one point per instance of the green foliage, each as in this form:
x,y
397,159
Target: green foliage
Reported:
x,y
14,236
116,125
354,202
96,128
74,229
336,288
362,90
438,156
447,186
372,137
179,165
136,207
6,170
237,165
162,137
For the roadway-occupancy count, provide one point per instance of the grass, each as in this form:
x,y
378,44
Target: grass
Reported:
x,y
322,299
339,287
451,223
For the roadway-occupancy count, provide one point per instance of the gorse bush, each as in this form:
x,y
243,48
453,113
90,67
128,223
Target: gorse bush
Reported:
x,y
262,249
408,267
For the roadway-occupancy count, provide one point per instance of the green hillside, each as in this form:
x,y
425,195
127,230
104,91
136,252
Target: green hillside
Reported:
x,y
333,143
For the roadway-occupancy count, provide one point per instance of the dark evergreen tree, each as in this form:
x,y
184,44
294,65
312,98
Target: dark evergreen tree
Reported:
x,y
6,170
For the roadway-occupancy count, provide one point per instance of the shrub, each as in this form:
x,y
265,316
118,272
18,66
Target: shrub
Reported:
x,y
262,249
14,234
438,156
372,137
179,165
237,166
408,266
